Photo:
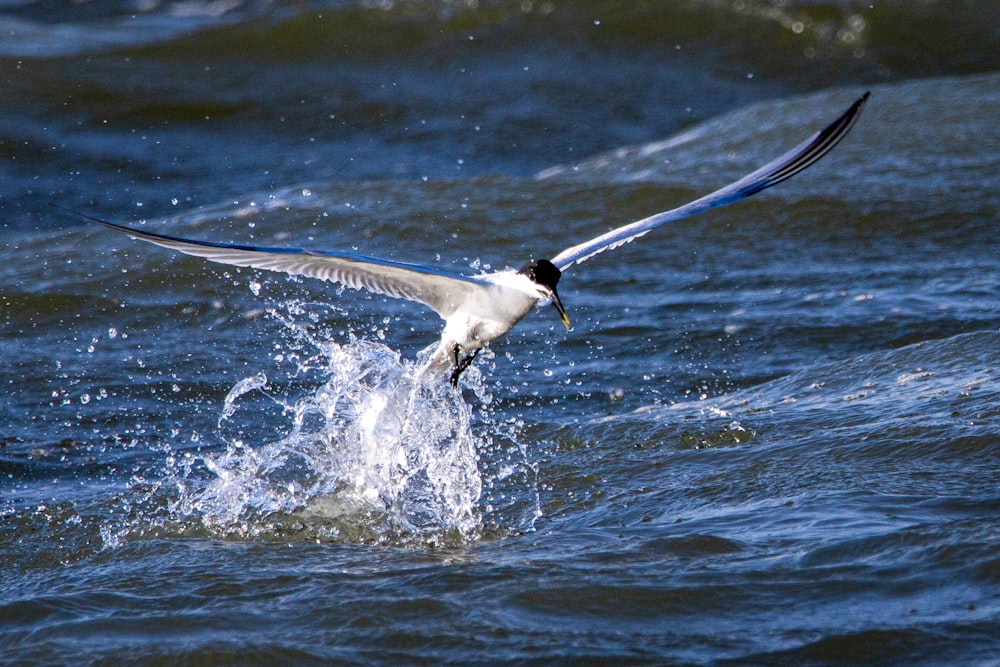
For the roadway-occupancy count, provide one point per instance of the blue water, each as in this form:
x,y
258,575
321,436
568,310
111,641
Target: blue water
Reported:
x,y
771,437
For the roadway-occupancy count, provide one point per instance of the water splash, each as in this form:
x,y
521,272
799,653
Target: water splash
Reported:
x,y
376,452
242,387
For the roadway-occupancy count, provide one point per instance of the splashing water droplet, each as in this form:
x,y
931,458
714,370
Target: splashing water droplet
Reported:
x,y
242,387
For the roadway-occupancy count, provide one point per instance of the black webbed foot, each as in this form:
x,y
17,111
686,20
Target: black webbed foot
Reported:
x,y
461,364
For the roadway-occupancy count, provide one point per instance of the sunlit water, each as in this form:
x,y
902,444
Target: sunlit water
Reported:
x,y
771,437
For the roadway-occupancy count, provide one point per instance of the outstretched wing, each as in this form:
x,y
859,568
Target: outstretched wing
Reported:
x,y
770,174
441,291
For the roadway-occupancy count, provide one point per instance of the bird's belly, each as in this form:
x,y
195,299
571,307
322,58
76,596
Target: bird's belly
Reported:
x,y
482,321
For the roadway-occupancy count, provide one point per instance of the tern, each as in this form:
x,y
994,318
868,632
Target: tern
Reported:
x,y
481,308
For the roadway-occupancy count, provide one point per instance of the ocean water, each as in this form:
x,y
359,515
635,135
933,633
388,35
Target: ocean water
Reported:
x,y
772,435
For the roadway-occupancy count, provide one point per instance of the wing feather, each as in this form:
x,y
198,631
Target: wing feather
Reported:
x,y
772,173
441,291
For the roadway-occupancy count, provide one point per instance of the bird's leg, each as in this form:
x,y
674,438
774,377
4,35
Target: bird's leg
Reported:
x,y
461,364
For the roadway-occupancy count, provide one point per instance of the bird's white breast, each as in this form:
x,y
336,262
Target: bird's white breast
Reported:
x,y
489,313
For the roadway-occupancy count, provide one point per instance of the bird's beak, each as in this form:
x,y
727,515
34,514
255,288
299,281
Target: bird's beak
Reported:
x,y
562,311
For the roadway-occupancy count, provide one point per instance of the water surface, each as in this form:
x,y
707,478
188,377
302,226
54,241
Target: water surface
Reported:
x,y
772,436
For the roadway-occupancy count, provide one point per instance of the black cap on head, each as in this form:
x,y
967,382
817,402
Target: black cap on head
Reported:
x,y
546,274
543,272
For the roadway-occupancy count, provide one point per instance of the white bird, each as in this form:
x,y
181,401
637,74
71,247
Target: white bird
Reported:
x,y
481,308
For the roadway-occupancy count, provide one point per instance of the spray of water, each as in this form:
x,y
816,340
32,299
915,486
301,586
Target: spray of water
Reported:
x,y
377,452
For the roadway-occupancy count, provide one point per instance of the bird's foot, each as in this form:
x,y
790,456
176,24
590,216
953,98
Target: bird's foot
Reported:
x,y
461,364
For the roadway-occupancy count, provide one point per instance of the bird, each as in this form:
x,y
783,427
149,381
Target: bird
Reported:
x,y
479,309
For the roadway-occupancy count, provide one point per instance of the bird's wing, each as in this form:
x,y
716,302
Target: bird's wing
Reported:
x,y
441,291
770,174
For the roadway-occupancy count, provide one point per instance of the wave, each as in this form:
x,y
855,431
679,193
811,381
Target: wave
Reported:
x,y
935,37
918,400
953,381
900,165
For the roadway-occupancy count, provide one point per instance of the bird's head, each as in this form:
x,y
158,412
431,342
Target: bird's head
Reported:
x,y
544,274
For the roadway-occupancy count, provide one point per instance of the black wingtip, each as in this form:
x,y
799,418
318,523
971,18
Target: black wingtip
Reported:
x,y
85,216
849,117
855,108
861,100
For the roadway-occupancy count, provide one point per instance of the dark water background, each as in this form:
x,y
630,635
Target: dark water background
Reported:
x,y
772,437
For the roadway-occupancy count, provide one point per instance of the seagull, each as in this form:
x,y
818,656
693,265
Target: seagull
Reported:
x,y
481,308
